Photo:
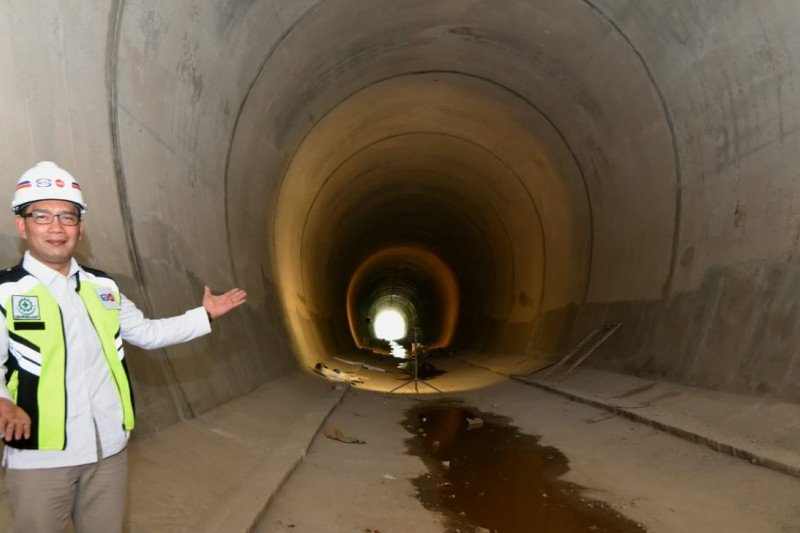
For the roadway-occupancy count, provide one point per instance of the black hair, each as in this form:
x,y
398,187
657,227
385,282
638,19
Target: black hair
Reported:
x,y
20,209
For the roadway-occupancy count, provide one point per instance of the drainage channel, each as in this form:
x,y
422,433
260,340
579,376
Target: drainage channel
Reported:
x,y
486,476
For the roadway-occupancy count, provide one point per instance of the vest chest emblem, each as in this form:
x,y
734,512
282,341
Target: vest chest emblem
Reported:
x,y
25,307
107,298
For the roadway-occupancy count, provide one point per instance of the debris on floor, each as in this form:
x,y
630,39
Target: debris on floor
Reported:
x,y
359,363
336,434
424,369
474,423
334,374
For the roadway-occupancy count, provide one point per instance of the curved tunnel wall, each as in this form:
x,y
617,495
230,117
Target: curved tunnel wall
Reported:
x,y
572,162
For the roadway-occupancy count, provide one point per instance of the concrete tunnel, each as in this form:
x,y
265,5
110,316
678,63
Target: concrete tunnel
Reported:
x,y
509,173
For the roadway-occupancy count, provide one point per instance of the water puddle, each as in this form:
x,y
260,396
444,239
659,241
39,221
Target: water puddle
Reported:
x,y
484,475
425,370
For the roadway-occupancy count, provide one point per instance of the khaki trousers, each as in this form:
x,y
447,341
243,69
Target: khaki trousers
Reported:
x,y
94,495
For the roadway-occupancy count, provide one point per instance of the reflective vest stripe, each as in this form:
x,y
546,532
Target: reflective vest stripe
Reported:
x,y
106,322
27,352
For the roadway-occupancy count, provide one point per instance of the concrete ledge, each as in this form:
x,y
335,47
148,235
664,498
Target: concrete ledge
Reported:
x,y
760,430
219,471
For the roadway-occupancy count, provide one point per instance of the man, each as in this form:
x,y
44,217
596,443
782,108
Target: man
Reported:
x,y
66,406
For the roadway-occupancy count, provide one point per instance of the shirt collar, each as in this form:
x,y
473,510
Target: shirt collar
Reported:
x,y
44,273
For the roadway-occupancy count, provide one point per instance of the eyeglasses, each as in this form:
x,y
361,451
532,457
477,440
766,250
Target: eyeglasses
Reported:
x,y
46,217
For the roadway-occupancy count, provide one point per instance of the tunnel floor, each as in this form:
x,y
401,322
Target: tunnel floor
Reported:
x,y
263,460
645,477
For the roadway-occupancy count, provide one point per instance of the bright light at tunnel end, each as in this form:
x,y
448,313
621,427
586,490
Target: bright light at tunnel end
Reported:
x,y
390,325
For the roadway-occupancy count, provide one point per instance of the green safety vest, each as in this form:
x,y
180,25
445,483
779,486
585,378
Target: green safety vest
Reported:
x,y
37,351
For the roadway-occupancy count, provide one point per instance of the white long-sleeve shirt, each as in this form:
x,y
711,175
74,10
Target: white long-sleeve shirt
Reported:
x,y
94,410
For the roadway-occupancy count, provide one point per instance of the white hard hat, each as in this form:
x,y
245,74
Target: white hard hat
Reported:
x,y
47,181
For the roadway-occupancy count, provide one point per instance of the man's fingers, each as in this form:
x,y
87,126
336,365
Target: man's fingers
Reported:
x,y
236,292
15,425
234,297
22,428
233,293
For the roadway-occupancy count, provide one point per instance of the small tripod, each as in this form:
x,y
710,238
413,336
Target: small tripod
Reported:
x,y
415,349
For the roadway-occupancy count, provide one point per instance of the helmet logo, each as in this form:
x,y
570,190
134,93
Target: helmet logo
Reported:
x,y
23,184
43,182
59,182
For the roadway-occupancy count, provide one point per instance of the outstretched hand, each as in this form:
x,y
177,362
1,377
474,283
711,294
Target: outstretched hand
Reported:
x,y
218,305
14,422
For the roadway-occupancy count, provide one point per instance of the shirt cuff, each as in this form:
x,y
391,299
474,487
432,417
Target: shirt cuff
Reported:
x,y
199,316
4,392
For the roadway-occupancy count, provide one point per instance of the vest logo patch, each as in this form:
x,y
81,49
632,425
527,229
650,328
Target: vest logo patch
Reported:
x,y
25,307
107,298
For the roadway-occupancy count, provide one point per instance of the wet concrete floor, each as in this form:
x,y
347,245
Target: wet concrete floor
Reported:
x,y
484,475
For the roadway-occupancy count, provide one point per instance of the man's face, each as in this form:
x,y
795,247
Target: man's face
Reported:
x,y
53,243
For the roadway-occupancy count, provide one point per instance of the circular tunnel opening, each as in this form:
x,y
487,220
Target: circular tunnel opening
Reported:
x,y
412,282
